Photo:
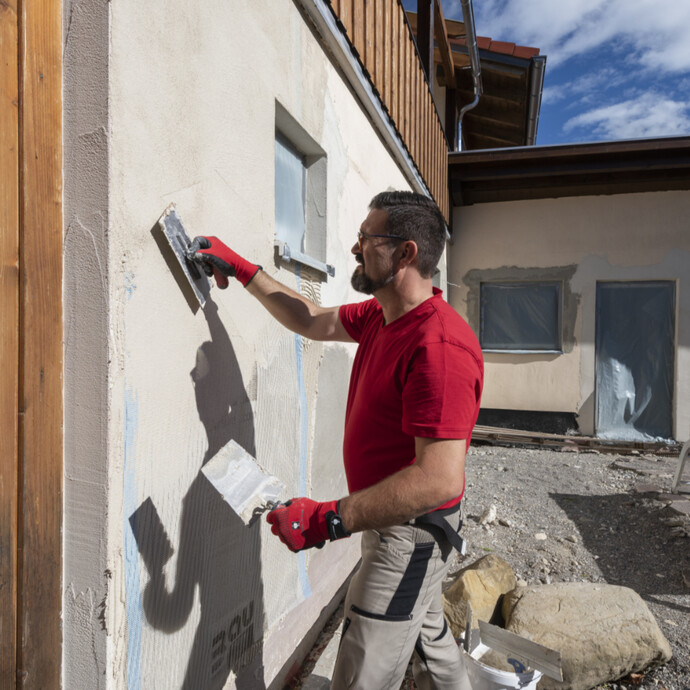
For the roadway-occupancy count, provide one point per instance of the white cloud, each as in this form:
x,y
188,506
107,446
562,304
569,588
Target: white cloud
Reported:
x,y
650,115
554,94
657,35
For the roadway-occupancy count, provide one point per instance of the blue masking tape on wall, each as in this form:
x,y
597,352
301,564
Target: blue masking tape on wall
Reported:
x,y
131,550
304,438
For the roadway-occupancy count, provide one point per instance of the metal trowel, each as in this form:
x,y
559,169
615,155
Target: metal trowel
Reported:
x,y
173,230
247,488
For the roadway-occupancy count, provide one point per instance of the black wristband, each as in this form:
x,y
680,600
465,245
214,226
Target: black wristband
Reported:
x,y
336,528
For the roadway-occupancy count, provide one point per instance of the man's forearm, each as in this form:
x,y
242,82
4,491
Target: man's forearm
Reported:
x,y
436,477
285,305
396,499
295,312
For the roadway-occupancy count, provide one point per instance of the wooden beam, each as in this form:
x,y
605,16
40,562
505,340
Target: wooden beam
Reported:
x,y
452,119
425,36
555,171
446,56
9,337
40,377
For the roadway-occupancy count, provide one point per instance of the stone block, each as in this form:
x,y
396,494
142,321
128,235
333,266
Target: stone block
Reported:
x,y
603,632
482,583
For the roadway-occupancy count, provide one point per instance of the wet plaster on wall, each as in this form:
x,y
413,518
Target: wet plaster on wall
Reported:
x,y
86,343
193,104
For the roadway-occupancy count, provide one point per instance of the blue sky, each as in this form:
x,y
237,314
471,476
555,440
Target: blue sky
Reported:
x,y
615,69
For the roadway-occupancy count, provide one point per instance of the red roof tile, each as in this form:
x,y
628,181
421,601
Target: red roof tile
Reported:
x,y
502,47
525,52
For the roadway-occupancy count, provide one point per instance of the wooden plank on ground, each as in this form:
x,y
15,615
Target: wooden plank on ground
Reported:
x,y
9,336
521,437
40,377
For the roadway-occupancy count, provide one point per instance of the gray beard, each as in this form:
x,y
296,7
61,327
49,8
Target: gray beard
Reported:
x,y
363,283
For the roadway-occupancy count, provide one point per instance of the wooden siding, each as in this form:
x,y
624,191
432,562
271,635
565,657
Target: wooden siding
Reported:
x,y
38,228
9,338
380,36
30,343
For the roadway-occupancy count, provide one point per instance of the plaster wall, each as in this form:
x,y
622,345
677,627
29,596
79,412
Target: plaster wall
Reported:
x,y
579,241
164,586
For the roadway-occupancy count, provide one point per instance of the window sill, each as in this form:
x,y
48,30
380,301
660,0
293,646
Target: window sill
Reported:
x,y
288,254
524,352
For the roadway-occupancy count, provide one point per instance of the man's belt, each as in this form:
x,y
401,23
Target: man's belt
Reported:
x,y
437,518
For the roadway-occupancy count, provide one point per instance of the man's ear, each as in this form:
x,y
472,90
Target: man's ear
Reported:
x,y
408,253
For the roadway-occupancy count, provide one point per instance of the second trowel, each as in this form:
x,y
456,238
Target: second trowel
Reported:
x,y
247,488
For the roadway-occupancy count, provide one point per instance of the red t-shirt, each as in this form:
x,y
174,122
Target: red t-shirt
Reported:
x,y
420,375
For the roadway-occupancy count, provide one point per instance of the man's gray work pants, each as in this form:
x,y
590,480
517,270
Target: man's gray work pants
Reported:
x,y
393,608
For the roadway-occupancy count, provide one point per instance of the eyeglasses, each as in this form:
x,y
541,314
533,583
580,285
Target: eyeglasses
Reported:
x,y
365,236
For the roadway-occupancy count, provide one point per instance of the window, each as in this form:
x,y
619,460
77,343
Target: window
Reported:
x,y
522,317
300,195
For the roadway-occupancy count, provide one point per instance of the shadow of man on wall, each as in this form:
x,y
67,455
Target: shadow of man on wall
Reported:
x,y
217,552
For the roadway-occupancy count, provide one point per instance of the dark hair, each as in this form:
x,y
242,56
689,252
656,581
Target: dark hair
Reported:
x,y
415,217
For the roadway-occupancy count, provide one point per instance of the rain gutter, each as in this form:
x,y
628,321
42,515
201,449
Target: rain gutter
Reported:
x,y
536,87
475,65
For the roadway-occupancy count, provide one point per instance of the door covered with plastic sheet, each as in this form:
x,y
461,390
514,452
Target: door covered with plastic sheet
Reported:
x,y
635,354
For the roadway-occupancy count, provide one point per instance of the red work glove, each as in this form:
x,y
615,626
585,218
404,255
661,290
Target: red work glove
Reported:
x,y
220,261
302,523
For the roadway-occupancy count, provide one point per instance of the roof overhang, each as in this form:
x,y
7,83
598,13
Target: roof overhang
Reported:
x,y
540,172
512,78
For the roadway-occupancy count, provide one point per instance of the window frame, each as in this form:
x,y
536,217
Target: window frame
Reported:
x,y
517,349
292,136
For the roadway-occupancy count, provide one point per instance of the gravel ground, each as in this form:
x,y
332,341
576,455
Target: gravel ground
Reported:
x,y
598,529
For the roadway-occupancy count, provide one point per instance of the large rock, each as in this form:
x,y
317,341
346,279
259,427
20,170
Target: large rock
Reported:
x,y
482,583
603,632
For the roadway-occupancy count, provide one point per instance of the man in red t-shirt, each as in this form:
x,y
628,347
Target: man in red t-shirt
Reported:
x,y
414,398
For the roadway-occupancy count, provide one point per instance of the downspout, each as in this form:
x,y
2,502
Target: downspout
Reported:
x,y
473,52
536,86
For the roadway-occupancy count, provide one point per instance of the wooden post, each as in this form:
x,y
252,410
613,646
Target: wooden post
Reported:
x,y
425,35
40,326
452,119
9,337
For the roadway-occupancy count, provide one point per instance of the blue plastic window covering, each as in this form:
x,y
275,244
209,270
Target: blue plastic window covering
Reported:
x,y
290,184
635,355
520,316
